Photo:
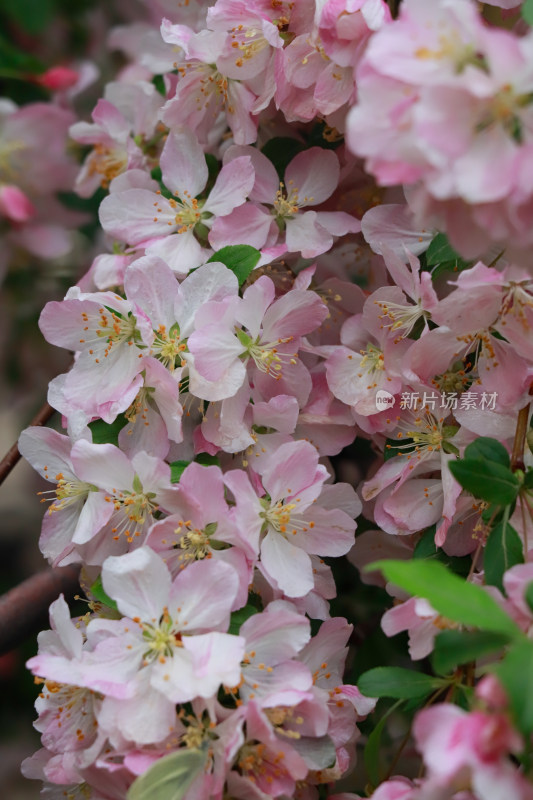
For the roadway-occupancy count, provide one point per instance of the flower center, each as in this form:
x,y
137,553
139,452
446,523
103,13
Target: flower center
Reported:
x,y
373,359
107,162
133,511
66,492
167,346
162,639
195,543
188,213
287,202
402,318
248,42
282,520
110,331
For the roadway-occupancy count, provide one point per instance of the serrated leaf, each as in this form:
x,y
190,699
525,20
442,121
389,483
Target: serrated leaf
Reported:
x,y
459,647
239,258
486,479
396,682
170,777
486,448
97,591
504,549
440,251
177,469
104,433
516,675
240,616
451,596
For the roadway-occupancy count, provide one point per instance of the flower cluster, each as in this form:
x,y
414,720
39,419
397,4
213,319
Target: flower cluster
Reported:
x,y
235,336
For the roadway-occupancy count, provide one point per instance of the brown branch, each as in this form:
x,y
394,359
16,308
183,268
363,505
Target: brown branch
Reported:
x,y
12,457
517,455
23,610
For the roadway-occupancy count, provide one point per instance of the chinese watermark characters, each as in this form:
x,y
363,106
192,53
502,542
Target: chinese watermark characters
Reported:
x,y
448,400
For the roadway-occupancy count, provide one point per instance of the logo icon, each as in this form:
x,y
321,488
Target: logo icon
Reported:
x,y
384,400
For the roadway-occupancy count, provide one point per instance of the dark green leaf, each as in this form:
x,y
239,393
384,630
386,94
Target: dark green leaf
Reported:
x,y
159,84
504,549
239,258
392,447
207,460
426,548
31,15
449,266
170,776
449,595
528,479
440,251
176,470
396,682
486,479
488,449
97,591
104,433
239,617
459,647
516,674
281,150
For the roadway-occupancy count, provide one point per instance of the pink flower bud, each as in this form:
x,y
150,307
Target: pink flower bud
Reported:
x,y
14,204
58,78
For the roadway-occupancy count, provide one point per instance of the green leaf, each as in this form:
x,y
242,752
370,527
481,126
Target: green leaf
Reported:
x,y
104,433
516,675
486,479
31,15
459,647
176,470
170,776
441,251
239,617
207,460
280,151
426,548
239,258
449,595
504,549
528,595
373,747
527,11
528,479
159,84
97,591
396,682
488,449
394,447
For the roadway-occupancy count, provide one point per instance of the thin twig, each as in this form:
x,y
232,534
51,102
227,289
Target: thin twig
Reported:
x,y
23,610
12,457
519,444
